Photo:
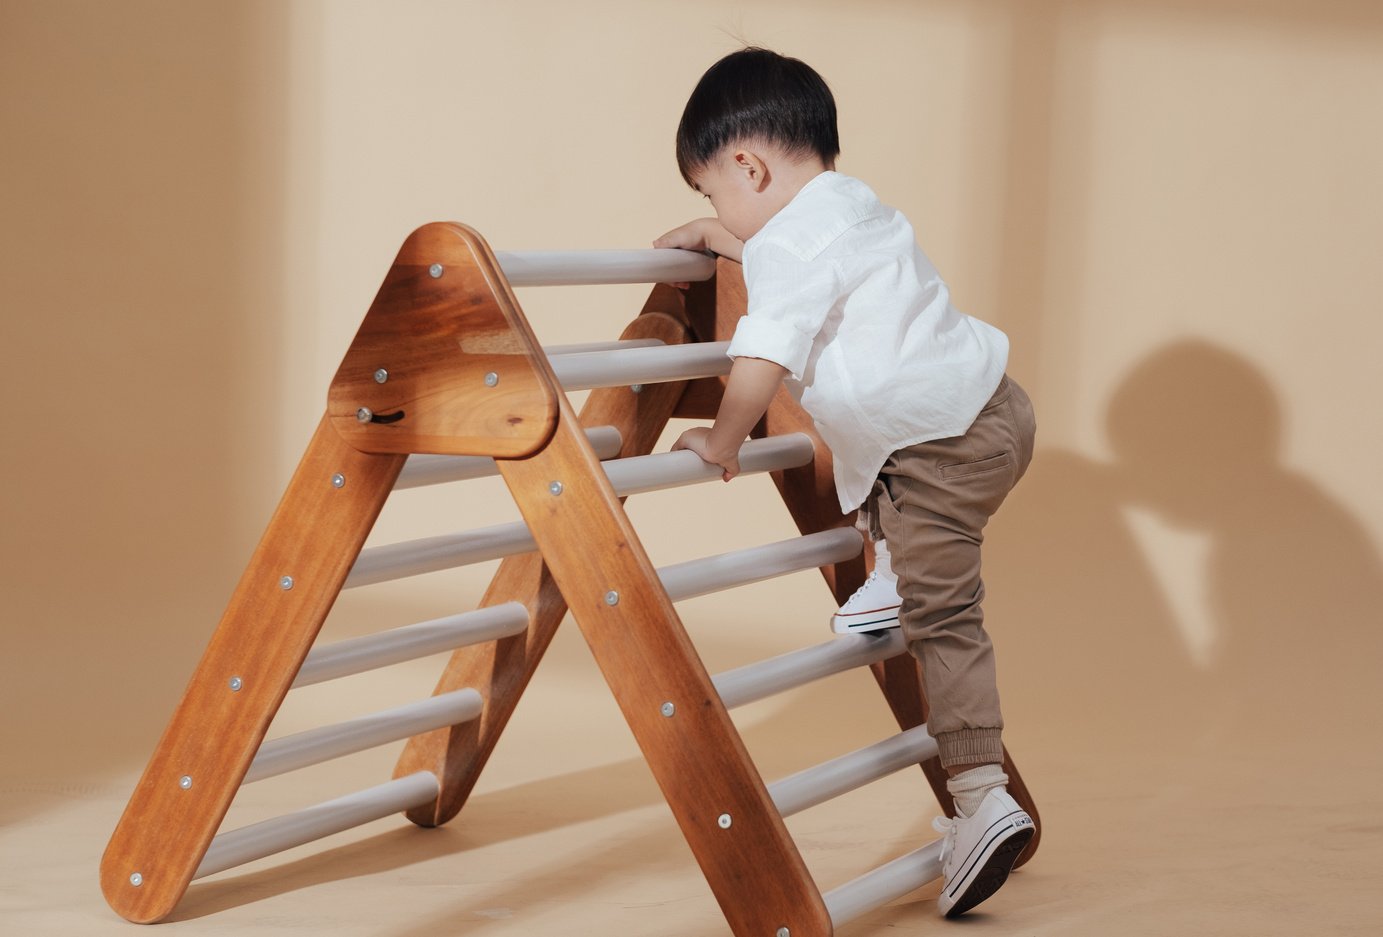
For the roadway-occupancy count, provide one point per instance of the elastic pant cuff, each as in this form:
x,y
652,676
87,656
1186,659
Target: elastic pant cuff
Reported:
x,y
970,747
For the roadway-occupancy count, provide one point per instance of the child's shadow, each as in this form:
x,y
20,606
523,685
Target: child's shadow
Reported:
x,y
1292,584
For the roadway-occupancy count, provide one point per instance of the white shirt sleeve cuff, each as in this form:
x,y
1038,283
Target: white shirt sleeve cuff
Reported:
x,y
772,340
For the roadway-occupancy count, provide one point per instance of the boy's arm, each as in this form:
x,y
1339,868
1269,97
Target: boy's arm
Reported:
x,y
704,234
748,392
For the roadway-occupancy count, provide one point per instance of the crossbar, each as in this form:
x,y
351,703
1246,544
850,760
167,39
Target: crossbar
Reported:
x,y
583,268
334,816
664,470
371,651
889,881
637,474
292,752
765,678
754,564
829,779
422,469
431,554
653,365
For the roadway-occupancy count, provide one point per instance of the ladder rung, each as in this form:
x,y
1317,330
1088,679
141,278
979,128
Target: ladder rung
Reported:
x,y
430,554
334,816
421,470
368,652
663,470
651,365
832,778
765,678
741,567
291,752
577,348
578,268
889,881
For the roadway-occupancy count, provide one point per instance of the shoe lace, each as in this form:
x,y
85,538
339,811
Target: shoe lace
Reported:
x,y
873,574
946,826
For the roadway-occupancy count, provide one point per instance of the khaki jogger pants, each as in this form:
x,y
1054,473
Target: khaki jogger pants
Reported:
x,y
931,503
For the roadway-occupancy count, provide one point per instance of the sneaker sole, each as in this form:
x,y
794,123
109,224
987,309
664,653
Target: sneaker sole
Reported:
x,y
992,875
878,624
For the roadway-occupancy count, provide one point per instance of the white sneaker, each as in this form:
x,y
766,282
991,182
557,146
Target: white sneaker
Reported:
x,y
873,607
979,851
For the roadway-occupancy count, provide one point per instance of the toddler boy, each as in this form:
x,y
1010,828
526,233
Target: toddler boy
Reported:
x,y
927,433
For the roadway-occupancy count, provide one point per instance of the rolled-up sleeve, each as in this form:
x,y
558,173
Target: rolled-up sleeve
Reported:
x,y
789,300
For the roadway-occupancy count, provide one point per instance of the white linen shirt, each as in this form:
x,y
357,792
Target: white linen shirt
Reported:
x,y
843,298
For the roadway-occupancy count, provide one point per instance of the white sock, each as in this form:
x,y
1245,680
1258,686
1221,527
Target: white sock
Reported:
x,y
969,787
883,561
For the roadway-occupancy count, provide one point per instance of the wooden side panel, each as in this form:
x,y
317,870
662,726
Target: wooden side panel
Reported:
x,y
501,670
444,360
313,539
696,754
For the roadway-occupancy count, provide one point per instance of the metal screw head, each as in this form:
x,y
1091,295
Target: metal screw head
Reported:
x,y
338,480
136,879
235,684
185,782
724,821
667,709
783,932
381,376
554,488
491,379
285,583
364,414
636,388
435,271
612,597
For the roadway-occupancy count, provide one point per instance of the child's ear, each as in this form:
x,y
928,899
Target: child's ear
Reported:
x,y
753,168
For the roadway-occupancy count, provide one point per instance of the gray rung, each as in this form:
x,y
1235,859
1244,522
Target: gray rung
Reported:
x,y
832,778
334,816
430,554
578,268
651,365
889,881
292,752
577,348
422,470
663,470
741,567
765,678
368,652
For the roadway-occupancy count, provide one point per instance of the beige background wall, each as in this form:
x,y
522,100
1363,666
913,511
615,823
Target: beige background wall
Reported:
x,y
1174,208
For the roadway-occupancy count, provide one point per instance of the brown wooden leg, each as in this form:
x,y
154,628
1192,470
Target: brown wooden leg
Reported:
x,y
654,673
501,670
273,617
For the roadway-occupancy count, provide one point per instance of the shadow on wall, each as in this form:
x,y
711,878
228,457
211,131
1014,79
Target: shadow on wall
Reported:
x,y
1292,583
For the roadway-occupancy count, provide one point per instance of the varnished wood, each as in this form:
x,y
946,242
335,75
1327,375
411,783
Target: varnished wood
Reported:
x,y
438,337
501,670
266,631
457,358
696,755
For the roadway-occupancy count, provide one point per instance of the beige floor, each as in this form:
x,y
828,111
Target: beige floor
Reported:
x,y
1234,798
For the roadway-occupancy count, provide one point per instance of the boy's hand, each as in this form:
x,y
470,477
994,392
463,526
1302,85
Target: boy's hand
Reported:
x,y
697,440
704,234
690,236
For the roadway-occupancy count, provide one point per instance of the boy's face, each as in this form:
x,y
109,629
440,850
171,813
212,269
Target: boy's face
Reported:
x,y
735,183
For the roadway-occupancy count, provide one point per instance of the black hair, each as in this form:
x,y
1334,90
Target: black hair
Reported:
x,y
758,95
